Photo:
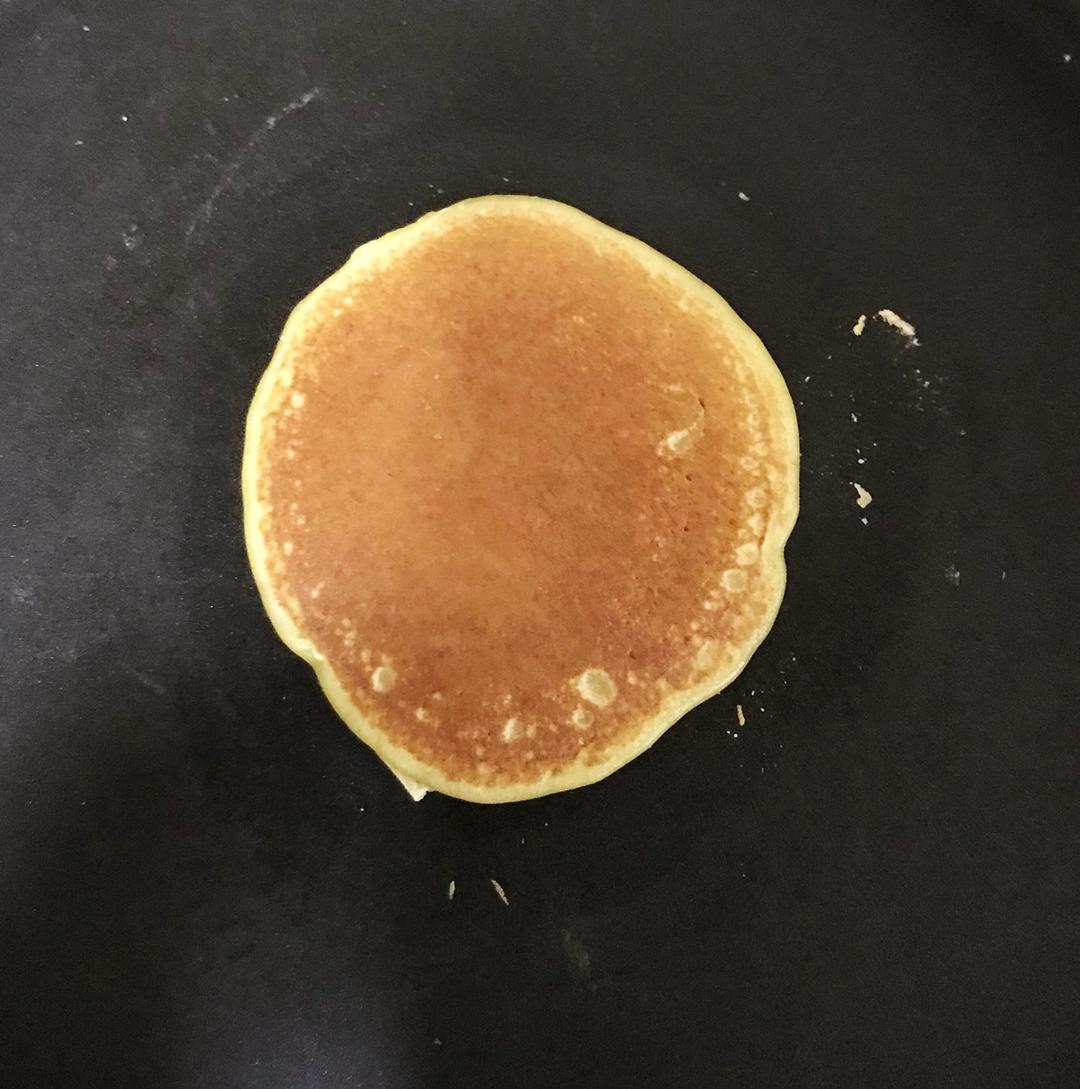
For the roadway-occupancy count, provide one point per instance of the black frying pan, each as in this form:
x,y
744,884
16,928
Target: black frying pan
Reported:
x,y
206,881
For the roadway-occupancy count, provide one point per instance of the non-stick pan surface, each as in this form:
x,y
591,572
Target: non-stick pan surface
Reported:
x,y
206,881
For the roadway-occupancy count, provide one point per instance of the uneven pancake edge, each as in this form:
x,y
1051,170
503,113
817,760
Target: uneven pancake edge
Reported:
x,y
416,773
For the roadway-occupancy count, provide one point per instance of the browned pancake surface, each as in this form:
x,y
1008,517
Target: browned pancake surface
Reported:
x,y
502,459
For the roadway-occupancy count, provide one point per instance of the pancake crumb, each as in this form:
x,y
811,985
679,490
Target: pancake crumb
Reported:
x,y
952,574
739,715
859,325
500,892
451,890
891,317
862,497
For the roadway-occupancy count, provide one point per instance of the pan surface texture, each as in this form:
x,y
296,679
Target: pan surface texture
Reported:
x,y
856,866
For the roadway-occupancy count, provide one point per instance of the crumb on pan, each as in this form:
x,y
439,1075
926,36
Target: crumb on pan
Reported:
x,y
891,317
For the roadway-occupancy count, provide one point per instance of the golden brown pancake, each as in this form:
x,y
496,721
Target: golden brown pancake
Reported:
x,y
518,488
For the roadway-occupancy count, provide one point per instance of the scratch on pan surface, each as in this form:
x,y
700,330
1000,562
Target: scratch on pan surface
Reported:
x,y
145,680
205,211
500,892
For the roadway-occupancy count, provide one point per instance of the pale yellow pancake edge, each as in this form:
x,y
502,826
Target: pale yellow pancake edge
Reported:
x,y
679,702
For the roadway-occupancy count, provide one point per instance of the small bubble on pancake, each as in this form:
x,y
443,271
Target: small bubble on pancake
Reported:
x,y
706,655
596,686
383,679
677,443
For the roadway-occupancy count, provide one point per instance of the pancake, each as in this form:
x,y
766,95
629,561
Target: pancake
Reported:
x,y
518,488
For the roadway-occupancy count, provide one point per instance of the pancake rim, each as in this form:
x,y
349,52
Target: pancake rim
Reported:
x,y
677,702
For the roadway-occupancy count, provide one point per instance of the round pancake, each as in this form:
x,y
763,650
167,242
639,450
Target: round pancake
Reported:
x,y
518,488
